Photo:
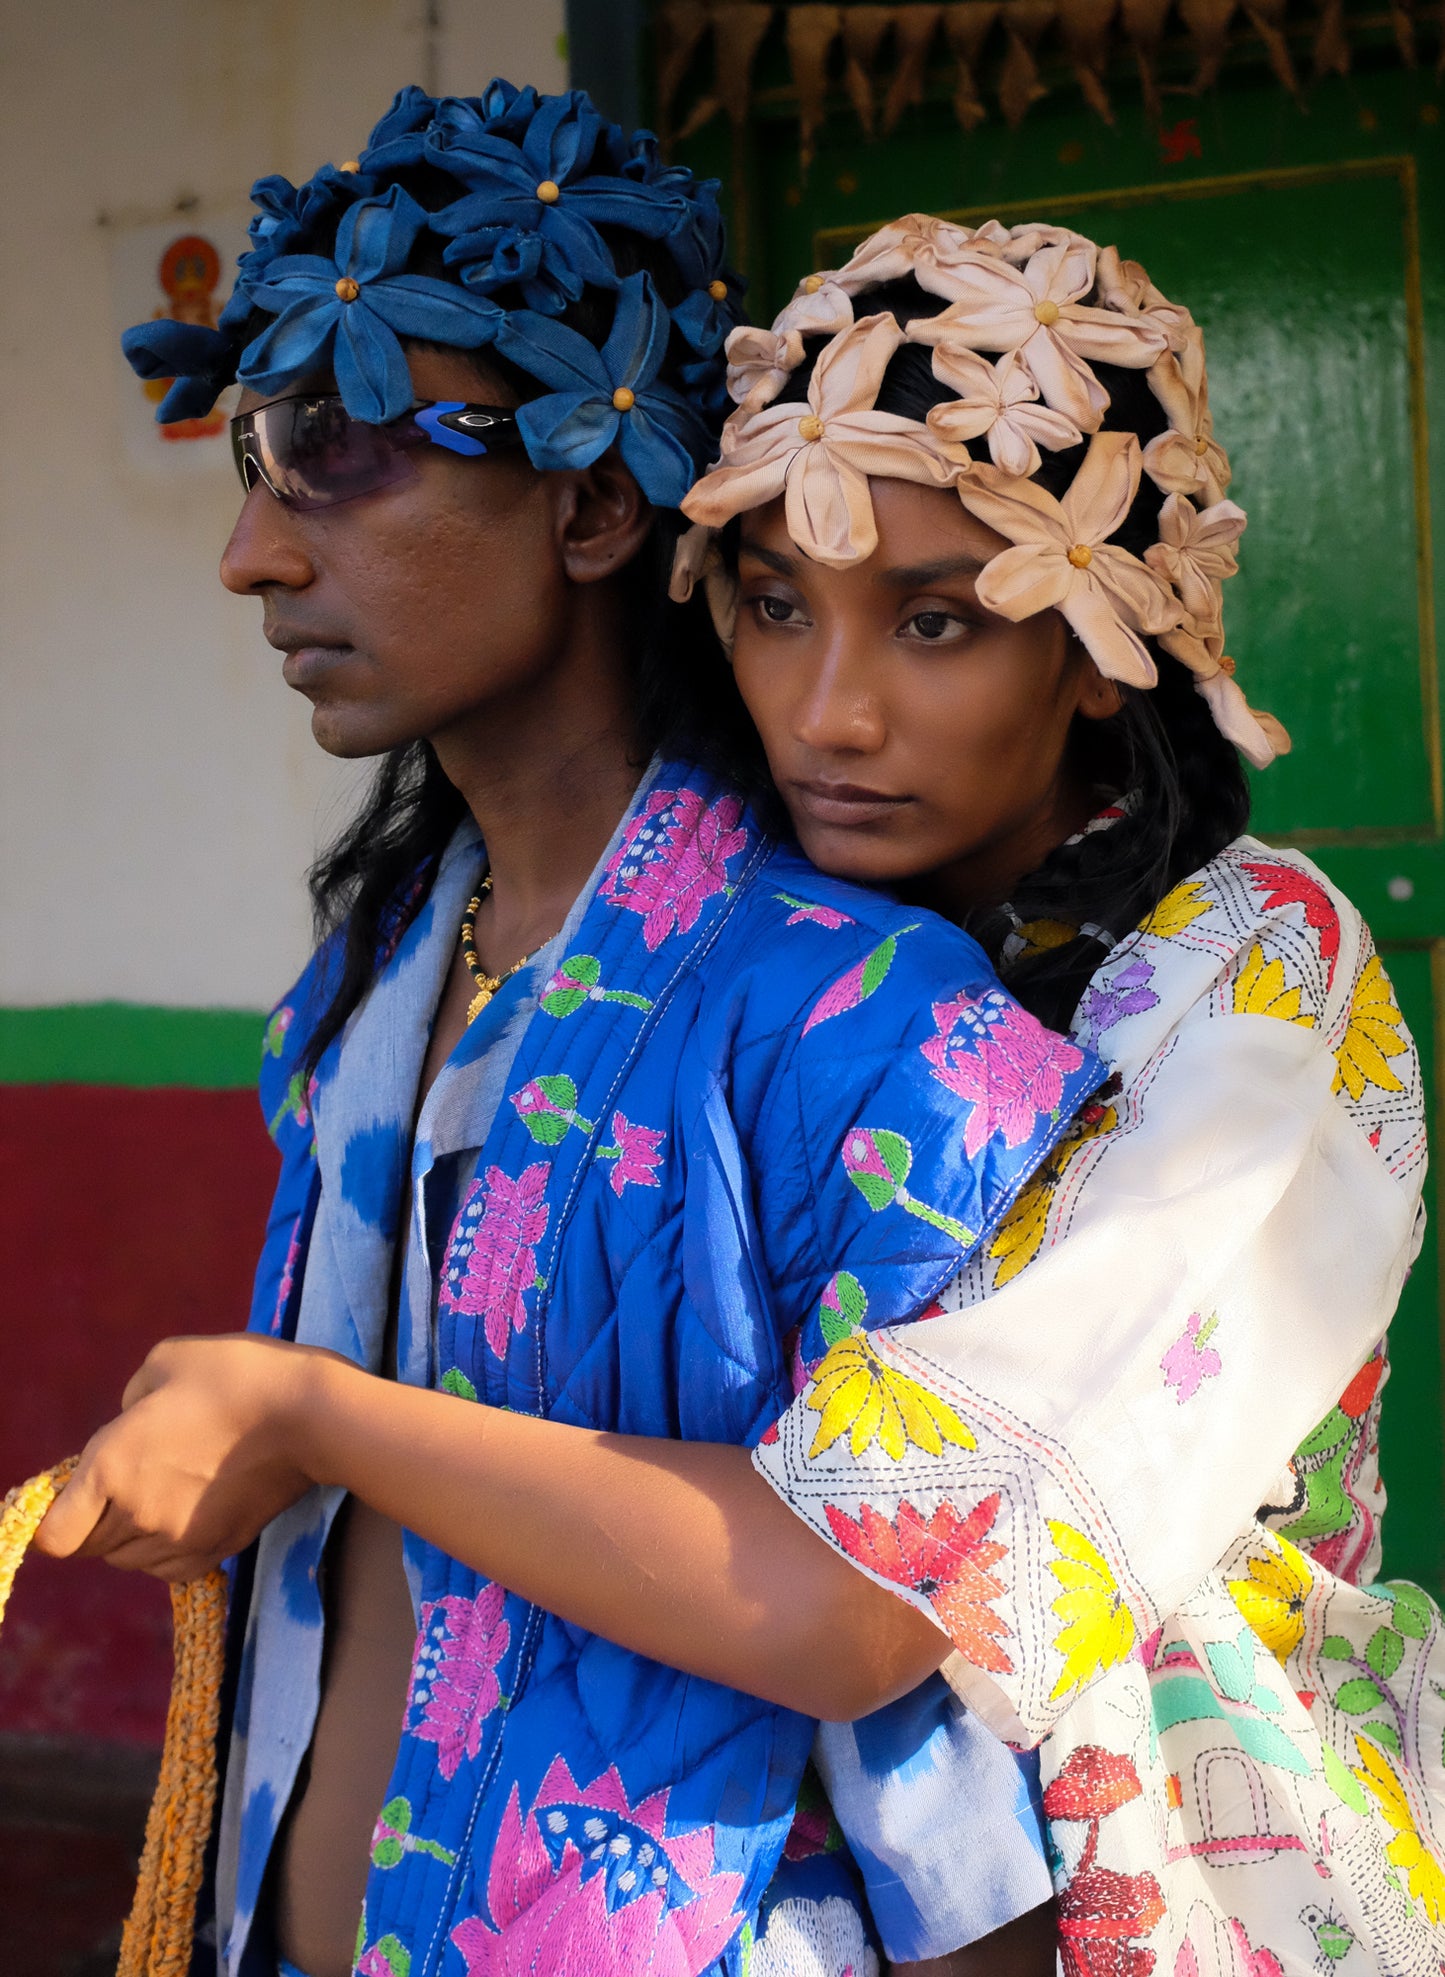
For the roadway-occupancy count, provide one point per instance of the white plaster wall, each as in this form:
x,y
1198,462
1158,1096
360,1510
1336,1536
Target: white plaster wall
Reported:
x,y
160,796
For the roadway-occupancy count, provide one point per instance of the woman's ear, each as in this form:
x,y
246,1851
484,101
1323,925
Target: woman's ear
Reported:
x,y
603,519
1099,698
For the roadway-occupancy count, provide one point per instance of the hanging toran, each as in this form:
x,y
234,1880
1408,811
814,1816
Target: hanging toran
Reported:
x,y
881,58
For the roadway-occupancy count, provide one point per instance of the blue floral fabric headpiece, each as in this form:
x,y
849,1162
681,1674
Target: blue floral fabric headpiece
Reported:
x,y
522,202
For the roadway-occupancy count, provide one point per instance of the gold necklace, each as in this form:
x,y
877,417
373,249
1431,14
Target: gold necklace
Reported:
x,y
487,985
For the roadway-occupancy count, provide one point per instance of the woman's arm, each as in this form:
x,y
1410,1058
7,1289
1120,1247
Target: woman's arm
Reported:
x,y
677,1550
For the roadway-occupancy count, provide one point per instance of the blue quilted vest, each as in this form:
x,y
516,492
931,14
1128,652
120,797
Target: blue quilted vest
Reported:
x,y
755,1109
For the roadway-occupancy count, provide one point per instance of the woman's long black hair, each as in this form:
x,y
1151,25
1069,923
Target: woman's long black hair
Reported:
x,y
1186,790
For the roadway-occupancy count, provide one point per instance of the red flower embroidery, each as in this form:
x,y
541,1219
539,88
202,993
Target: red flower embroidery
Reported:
x,y
946,1559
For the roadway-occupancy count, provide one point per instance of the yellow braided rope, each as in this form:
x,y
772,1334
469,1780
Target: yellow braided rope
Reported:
x,y
158,1935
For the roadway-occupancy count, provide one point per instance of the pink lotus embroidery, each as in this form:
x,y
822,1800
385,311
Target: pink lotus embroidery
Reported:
x,y
491,1260
1009,1067
288,1278
636,1151
588,1882
454,1674
1192,1360
672,858
808,909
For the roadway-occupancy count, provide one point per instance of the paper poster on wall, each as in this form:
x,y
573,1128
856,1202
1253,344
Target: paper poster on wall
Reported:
x,y
183,267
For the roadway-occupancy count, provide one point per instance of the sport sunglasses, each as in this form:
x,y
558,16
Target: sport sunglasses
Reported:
x,y
311,453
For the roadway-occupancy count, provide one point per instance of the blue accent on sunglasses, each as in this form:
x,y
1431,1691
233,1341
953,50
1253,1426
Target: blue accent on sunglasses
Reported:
x,y
431,418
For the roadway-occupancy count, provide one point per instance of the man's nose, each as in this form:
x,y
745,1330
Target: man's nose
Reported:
x,y
839,709
265,547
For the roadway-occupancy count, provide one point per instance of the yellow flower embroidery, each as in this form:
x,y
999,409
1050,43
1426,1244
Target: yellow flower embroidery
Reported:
x,y
1177,910
1272,1599
1016,1242
1372,1036
1259,990
1407,1850
857,1394
1099,1629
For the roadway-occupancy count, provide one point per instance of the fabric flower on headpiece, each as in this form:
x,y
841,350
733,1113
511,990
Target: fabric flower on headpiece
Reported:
x,y
918,245
1021,243
1061,558
598,398
1187,459
201,361
1198,643
399,138
697,559
286,213
1195,550
713,305
820,306
533,205
1001,401
1123,285
1035,310
352,309
819,454
760,362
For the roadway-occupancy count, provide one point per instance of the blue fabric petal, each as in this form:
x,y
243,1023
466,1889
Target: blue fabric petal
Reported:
x,y
567,429
376,236
620,203
576,246
370,366
168,349
705,323
553,354
412,109
637,342
188,398
438,311
562,137
505,202
297,342
506,109
706,381
661,465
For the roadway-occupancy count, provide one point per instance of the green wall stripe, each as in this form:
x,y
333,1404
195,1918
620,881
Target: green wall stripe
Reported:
x,y
130,1043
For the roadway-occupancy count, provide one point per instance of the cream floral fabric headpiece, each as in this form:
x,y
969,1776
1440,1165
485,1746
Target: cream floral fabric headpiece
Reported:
x,y
1029,310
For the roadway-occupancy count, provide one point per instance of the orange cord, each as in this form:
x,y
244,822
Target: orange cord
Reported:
x,y
158,1935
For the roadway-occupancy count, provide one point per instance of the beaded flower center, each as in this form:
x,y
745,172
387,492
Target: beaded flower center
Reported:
x,y
1081,556
623,400
810,427
549,192
1047,313
348,289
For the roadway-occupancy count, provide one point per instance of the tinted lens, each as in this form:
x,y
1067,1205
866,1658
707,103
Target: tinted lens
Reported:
x,y
312,453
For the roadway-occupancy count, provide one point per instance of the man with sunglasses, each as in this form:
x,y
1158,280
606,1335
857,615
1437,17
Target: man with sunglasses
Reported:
x,y
603,1118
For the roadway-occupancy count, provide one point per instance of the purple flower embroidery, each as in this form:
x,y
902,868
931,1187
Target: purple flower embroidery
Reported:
x,y
491,1262
1128,994
808,909
1192,1359
454,1674
673,857
1009,1067
635,1150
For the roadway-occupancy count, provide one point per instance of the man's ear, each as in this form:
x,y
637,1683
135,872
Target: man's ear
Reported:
x,y
603,519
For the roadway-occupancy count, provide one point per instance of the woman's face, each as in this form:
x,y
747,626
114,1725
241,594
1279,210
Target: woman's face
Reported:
x,y
909,730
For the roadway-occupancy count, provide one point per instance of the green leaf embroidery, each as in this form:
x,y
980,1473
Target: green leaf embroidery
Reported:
x,y
895,1153
1385,1652
558,1089
1383,1733
1354,1698
1413,1609
1335,1647
1342,1781
876,967
876,1191
851,1308
454,1381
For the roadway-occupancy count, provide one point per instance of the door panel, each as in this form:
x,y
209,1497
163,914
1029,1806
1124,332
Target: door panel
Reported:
x,y
1312,250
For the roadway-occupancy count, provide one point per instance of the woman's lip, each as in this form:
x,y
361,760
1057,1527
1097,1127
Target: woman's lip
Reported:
x,y
306,665
845,803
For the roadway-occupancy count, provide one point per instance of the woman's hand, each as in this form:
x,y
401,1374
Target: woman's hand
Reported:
x,y
206,1451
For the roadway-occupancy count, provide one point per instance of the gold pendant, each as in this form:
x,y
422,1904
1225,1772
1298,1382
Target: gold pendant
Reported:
x,y
479,1002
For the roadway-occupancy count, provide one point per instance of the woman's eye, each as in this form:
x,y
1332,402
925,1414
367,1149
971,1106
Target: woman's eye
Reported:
x,y
935,626
776,610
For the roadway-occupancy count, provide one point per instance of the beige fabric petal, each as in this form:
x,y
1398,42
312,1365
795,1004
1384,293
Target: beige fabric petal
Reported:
x,y
1020,582
849,371
1061,271
1102,336
1195,550
1025,241
829,508
1118,652
991,307
820,307
720,587
1173,464
1101,492
961,420
1020,510
1124,286
1065,379
1258,737
690,558
1143,600
759,363
914,245
734,489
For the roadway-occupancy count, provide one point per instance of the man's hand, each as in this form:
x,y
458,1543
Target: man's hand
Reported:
x,y
204,1454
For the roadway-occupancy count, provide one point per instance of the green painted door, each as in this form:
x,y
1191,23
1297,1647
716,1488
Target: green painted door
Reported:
x,y
1312,251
